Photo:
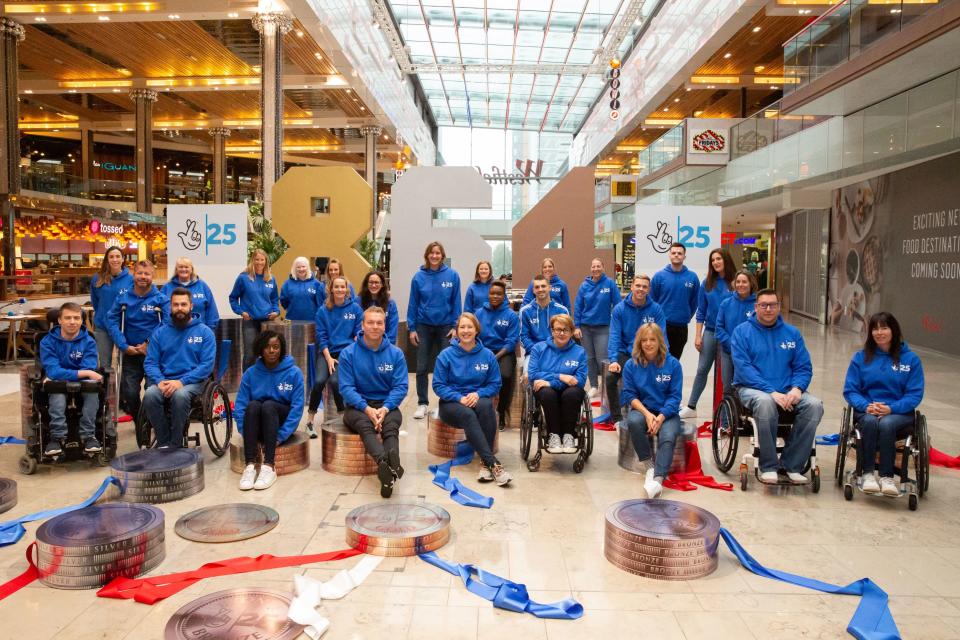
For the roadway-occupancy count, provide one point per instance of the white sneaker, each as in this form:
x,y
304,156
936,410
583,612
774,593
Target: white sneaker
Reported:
x,y
870,484
797,478
553,444
686,413
568,445
420,413
435,414
888,487
248,478
769,477
266,478
651,486
501,475
485,474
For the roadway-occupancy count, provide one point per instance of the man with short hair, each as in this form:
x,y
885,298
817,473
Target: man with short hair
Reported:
x,y
675,288
179,359
499,332
771,370
68,353
535,317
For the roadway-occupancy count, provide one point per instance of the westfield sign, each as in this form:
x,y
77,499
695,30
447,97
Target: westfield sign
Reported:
x,y
527,172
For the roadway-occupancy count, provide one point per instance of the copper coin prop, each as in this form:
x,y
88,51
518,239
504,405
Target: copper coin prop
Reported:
x,y
227,522
235,614
442,439
343,451
291,456
397,528
8,494
664,520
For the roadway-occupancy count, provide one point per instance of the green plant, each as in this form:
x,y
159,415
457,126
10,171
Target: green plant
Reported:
x,y
263,236
368,249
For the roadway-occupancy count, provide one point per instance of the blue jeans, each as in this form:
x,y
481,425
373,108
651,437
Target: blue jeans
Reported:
x,y
595,339
479,425
169,430
104,347
130,383
800,443
708,355
667,436
323,377
883,433
250,330
433,339
58,415
726,370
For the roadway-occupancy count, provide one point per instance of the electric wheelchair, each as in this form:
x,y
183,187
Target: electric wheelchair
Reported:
x,y
533,430
914,445
732,420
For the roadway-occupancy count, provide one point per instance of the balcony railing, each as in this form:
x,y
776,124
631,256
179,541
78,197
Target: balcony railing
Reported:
x,y
766,127
662,151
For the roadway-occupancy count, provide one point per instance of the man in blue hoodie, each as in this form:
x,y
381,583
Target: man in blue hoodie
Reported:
x,y
499,332
676,288
771,370
535,317
634,311
141,310
69,353
373,383
180,357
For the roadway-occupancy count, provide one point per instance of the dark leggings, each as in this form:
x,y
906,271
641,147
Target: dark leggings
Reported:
x,y
677,339
378,445
479,425
561,409
508,369
261,424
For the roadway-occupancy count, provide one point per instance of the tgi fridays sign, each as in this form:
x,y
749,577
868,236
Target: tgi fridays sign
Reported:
x,y
708,141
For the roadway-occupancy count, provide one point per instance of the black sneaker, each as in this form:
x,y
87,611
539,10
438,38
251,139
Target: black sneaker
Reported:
x,y
394,458
91,445
385,474
53,448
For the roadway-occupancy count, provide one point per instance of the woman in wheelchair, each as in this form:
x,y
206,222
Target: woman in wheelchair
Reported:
x,y
652,389
268,408
884,385
558,371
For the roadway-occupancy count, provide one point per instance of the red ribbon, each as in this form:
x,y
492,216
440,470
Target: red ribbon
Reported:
x,y
705,430
604,426
22,580
940,459
694,474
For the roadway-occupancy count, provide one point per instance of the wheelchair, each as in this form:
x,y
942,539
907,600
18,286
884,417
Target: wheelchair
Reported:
x,y
731,421
533,428
915,445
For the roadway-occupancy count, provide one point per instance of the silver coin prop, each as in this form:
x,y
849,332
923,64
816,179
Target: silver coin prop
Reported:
x,y
227,522
8,494
397,528
156,476
235,614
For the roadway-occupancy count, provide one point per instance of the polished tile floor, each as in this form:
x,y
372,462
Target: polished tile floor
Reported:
x,y
546,530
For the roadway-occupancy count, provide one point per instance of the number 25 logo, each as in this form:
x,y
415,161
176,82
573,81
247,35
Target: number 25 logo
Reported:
x,y
687,235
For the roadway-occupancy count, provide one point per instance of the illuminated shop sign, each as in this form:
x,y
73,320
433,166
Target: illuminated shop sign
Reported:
x,y
526,173
99,228
114,166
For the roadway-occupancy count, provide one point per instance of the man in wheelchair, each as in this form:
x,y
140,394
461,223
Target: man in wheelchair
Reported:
x,y
772,371
180,357
69,354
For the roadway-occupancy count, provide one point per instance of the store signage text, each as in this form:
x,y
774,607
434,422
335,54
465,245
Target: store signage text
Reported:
x,y
97,227
114,166
709,141
526,173
731,238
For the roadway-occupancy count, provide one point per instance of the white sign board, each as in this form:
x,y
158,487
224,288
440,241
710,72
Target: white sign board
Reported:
x,y
214,237
698,228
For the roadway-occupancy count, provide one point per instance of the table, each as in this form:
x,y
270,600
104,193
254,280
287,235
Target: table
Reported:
x,y
14,340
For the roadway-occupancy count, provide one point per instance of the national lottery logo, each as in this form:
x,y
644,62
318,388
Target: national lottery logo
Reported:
x,y
385,367
555,289
311,291
503,323
663,377
195,340
349,316
788,344
688,285
268,285
284,386
902,368
571,363
148,308
481,367
76,355
198,296
648,320
605,290
447,285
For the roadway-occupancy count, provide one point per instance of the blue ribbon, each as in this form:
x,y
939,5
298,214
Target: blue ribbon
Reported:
x,y
871,621
503,593
11,440
831,440
601,418
12,531
458,492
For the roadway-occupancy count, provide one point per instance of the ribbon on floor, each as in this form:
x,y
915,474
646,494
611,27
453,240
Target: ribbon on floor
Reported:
x,y
12,586
503,593
940,459
310,593
12,530
871,621
602,423
11,440
156,588
459,493
830,440
694,475
705,430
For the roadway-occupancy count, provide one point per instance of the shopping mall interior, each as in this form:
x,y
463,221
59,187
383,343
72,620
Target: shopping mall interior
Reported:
x,y
814,142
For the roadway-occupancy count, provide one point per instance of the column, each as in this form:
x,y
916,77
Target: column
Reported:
x,y
86,156
11,35
143,100
219,135
371,133
272,26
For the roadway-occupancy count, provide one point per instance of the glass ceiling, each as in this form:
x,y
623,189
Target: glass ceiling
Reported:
x,y
501,44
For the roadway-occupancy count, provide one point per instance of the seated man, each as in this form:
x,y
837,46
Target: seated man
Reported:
x,y
535,317
373,383
771,369
499,332
180,357
68,353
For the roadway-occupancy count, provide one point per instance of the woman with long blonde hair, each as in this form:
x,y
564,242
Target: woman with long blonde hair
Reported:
x,y
255,299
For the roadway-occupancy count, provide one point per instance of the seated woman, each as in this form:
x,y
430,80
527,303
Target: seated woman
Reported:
x,y
652,388
884,386
268,408
466,376
558,371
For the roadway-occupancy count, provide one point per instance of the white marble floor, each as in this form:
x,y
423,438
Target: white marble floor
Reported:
x,y
545,530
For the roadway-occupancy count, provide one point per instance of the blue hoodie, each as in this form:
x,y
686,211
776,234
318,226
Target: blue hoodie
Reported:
x,y
186,354
393,319
626,320
478,294
535,322
300,298
659,389
458,372
770,358
595,301
899,386
499,328
322,293
204,304
558,292
548,362
282,384
434,298
733,312
676,292
337,327
708,302
367,375
141,319
256,297
102,298
62,358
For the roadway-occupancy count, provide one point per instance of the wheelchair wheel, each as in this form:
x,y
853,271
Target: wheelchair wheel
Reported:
x,y
846,430
28,465
146,436
922,460
587,429
848,492
725,436
217,418
816,480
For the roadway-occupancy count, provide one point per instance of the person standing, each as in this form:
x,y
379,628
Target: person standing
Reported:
x,y
374,293
499,332
735,310
334,270
478,291
596,300
675,288
204,304
535,316
299,295
255,299
112,280
558,288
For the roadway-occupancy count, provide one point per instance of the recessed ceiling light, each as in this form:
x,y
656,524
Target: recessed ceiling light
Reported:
x,y
774,87
103,18
756,29
299,33
666,108
726,56
318,56
759,68
689,89
676,99
233,14
174,16
710,86
40,19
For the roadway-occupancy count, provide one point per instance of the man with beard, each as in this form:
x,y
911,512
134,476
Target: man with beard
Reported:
x,y
180,356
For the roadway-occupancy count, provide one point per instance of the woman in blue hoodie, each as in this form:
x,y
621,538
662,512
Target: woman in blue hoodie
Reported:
x,y
466,377
204,304
884,386
500,332
734,311
479,290
558,288
338,322
596,299
431,315
334,270
112,280
268,408
254,298
558,371
374,293
299,294
652,388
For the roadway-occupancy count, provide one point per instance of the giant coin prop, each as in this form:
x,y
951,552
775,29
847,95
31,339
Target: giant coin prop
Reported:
x,y
159,475
398,528
291,456
235,614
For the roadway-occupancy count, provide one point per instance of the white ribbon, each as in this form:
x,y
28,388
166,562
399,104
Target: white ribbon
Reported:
x,y
310,593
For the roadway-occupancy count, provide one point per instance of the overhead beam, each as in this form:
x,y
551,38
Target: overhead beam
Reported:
x,y
329,120
181,84
148,11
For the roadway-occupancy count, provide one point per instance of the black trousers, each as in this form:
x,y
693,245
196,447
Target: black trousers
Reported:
x,y
677,337
612,381
508,369
378,445
261,424
561,409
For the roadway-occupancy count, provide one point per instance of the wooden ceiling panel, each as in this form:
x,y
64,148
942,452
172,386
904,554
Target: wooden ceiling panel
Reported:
x,y
301,49
349,103
54,58
749,48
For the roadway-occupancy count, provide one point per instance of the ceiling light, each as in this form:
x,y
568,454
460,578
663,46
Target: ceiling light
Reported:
x,y
173,16
233,14
318,56
759,68
697,114
299,33
40,19
756,29
676,99
103,18
710,86
666,108
774,88
726,56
